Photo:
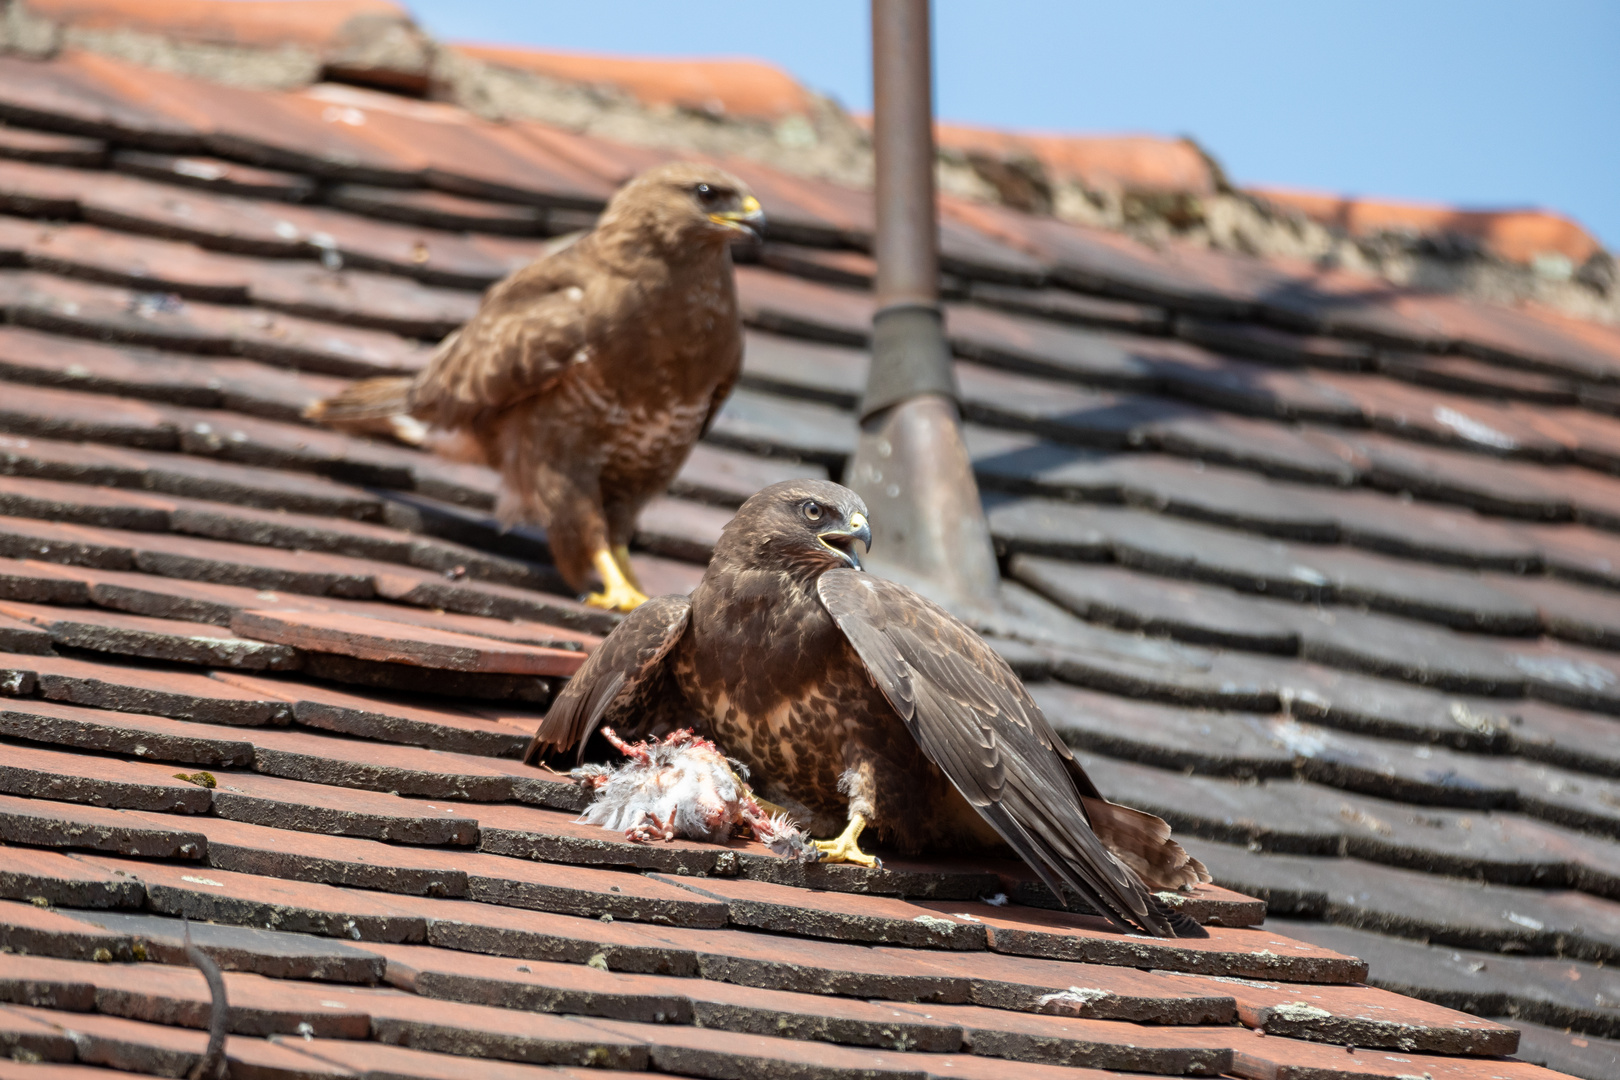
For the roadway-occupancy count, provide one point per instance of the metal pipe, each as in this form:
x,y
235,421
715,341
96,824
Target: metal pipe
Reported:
x,y
906,238
909,355
910,463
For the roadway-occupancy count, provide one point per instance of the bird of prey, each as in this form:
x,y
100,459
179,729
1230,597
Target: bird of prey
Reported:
x,y
586,377
858,704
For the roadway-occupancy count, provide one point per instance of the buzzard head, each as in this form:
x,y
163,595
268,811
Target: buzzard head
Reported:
x,y
685,204
802,526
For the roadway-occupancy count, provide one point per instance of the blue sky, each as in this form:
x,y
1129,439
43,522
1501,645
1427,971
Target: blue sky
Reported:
x,y
1479,103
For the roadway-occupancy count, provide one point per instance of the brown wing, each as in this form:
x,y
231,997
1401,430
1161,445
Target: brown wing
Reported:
x,y
528,329
625,676
973,718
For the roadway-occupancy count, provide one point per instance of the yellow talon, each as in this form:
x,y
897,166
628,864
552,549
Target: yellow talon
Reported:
x,y
617,594
845,847
621,555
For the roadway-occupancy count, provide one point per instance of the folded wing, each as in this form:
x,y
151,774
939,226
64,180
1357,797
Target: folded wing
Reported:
x,y
528,330
973,718
624,678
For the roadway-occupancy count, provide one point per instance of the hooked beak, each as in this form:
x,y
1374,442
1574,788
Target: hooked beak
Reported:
x,y
748,219
843,540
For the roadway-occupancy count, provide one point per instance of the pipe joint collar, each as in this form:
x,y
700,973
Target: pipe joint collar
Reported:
x,y
910,357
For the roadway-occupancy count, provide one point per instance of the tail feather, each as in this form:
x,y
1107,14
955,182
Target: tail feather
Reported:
x,y
372,407
368,399
1182,924
1142,842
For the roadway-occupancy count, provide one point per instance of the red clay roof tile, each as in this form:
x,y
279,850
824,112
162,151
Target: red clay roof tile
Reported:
x,y
1107,162
1518,235
307,22
129,785
744,88
39,822
49,877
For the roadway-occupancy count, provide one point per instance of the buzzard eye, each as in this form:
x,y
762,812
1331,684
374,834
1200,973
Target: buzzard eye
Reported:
x,y
812,512
709,196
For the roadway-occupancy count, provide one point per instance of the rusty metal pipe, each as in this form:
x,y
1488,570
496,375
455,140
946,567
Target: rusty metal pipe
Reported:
x,y
910,463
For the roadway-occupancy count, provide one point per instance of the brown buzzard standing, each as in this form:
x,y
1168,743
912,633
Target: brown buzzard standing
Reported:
x,y
586,377
855,703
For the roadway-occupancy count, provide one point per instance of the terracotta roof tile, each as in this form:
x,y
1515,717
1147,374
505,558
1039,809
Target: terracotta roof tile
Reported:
x,y
66,97
126,1044
55,878
403,1061
218,174
151,737
54,774
312,22
307,807
1095,1044
372,639
445,727
584,990
1239,951
838,916
460,154
1085,990
276,954
1113,162
39,822
1275,1059
1476,377
51,149
34,1037
1062,305
1519,235
536,935
178,997
269,130
739,87
1580,1055
229,897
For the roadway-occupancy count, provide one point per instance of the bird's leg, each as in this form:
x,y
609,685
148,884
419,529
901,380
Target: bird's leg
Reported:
x,y
845,847
621,555
858,781
617,594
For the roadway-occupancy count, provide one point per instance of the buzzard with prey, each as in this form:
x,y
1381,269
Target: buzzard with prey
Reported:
x,y
859,705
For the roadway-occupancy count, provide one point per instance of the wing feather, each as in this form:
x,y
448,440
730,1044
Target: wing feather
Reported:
x,y
526,331
627,662
973,718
